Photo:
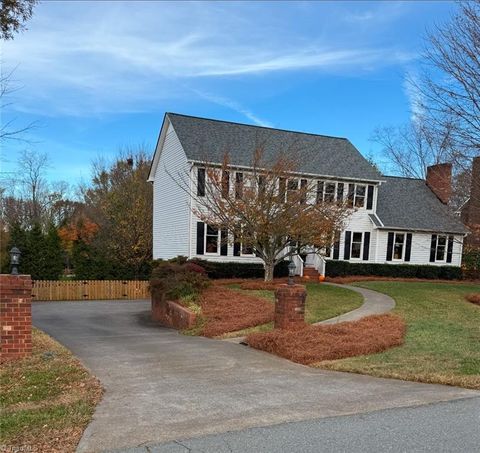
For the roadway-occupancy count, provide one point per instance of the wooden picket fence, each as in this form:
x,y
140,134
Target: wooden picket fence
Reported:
x,y
47,290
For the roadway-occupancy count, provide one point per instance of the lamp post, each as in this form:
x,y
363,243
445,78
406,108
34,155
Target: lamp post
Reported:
x,y
291,272
15,260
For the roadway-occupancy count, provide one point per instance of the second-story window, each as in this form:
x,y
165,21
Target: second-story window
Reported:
x,y
292,187
329,195
238,185
360,191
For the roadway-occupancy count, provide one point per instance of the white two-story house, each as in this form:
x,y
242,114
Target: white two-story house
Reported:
x,y
395,220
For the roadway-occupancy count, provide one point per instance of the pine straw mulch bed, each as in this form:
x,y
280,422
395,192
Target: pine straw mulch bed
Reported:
x,y
313,344
47,399
473,298
226,310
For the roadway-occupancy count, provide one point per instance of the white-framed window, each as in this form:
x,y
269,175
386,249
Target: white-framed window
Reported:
x,y
356,247
441,249
330,189
399,246
212,241
292,188
360,194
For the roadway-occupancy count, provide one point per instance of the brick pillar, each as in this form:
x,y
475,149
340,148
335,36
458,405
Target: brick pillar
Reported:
x,y
290,306
159,306
16,315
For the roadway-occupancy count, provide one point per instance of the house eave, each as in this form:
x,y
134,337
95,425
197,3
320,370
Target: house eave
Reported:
x,y
297,173
422,230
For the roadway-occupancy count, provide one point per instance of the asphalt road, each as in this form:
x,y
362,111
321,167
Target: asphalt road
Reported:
x,y
162,386
450,427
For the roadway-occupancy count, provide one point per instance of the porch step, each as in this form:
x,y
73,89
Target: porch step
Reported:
x,y
310,273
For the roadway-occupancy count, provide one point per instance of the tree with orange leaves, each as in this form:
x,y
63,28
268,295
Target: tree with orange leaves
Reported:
x,y
271,210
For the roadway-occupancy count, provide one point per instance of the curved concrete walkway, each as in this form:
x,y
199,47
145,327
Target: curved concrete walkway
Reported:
x,y
374,303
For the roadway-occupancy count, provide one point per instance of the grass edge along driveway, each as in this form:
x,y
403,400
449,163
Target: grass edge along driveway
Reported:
x,y
323,302
442,344
47,399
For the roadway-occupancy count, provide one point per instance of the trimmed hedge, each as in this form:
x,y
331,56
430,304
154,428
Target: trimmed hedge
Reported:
x,y
344,268
217,269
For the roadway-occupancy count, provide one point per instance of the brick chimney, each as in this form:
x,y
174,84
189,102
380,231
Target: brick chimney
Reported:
x,y
439,179
474,203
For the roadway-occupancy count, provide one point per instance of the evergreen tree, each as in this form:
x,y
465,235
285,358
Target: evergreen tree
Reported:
x,y
53,254
35,262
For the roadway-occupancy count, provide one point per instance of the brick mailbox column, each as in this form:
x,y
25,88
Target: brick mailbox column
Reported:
x,y
16,315
290,306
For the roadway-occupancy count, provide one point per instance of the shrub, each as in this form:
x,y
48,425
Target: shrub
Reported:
x,y
176,281
217,269
471,259
193,267
344,268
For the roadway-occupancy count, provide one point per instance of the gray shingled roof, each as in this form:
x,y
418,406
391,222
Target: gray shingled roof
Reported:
x,y
405,203
204,139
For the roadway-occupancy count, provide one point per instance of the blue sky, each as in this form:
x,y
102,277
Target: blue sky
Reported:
x,y
96,76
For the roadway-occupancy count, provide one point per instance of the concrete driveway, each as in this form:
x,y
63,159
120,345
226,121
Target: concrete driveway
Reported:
x,y
162,386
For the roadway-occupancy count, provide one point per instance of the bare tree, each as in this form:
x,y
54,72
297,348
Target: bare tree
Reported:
x,y
413,147
449,90
13,15
268,209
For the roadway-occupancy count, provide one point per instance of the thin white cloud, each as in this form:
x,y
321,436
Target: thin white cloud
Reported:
x,y
93,58
233,105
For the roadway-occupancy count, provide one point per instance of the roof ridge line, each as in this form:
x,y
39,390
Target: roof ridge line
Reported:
x,y
258,126
403,177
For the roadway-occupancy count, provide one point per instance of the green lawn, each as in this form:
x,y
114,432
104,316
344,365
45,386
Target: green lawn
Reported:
x,y
47,399
323,302
442,344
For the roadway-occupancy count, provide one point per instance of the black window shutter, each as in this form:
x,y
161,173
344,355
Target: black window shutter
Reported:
x,y
370,197
366,245
433,248
408,247
390,247
340,191
303,188
348,241
236,247
351,194
450,249
224,243
200,238
201,182
336,250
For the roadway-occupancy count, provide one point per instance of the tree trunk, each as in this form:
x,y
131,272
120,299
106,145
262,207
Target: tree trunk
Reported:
x,y
269,271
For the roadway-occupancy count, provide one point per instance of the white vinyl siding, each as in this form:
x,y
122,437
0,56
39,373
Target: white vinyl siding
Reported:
x,y
420,251
170,201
